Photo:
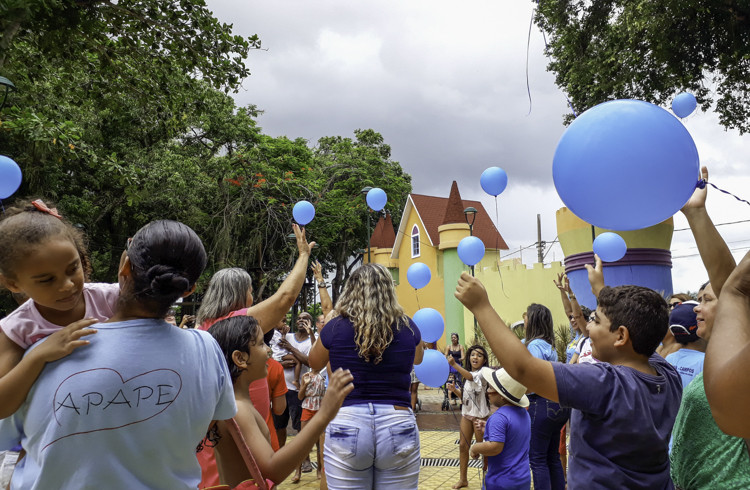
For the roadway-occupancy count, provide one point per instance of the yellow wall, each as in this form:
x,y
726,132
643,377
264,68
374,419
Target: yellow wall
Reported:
x,y
515,287
431,295
575,234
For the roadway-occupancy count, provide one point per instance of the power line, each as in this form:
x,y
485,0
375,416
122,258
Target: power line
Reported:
x,y
719,224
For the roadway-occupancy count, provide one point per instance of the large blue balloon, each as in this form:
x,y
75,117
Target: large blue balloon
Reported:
x,y
376,198
10,177
303,212
610,247
494,180
433,371
430,323
684,104
625,165
470,250
418,275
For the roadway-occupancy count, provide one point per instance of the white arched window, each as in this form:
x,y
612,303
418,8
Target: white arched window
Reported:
x,y
415,242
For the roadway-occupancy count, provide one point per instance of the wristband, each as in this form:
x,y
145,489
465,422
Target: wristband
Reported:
x,y
322,285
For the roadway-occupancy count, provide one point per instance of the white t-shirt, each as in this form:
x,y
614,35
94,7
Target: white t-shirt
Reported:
x,y
277,352
25,325
585,354
304,347
125,412
475,395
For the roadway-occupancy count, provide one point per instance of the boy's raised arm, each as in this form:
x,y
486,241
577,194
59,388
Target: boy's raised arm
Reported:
x,y
537,375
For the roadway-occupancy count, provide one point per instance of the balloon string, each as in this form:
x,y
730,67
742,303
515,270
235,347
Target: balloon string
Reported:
x,y
497,248
702,185
546,48
416,295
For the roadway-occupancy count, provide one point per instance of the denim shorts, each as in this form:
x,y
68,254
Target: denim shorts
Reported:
x,y
372,446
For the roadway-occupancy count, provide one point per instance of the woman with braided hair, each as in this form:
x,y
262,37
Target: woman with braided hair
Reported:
x,y
373,442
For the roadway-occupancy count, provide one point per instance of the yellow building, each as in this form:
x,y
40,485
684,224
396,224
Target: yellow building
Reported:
x,y
429,232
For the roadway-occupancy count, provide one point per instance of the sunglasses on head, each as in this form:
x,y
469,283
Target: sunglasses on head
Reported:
x,y
672,305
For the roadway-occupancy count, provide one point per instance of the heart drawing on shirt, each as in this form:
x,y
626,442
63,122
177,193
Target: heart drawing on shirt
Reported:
x,y
101,399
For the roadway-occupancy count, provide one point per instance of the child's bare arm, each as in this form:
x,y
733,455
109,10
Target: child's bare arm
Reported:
x,y
277,466
537,375
486,448
303,385
453,389
17,381
463,372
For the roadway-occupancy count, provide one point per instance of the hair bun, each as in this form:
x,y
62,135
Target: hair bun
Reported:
x,y
167,281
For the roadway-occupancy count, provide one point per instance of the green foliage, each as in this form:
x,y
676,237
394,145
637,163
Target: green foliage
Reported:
x,y
563,337
612,49
122,117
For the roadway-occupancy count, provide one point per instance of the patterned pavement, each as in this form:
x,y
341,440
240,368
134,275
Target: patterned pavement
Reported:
x,y
438,435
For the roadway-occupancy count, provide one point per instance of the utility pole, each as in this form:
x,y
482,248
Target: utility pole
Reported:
x,y
539,243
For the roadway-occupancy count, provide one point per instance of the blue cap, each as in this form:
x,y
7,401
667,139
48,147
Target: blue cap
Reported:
x,y
682,322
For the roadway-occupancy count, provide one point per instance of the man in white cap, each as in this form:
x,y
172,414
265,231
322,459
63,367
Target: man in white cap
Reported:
x,y
507,434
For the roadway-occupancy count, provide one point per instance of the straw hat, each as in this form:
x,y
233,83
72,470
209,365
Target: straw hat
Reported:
x,y
509,388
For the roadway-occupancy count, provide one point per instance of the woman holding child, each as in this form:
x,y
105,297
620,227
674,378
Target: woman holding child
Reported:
x,y
373,442
128,410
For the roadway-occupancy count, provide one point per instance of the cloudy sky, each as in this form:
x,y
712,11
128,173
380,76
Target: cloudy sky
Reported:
x,y
445,84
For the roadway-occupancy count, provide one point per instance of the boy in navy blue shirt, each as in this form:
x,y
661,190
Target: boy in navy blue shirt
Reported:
x,y
623,407
507,434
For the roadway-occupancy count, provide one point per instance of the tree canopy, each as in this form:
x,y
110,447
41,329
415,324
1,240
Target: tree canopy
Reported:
x,y
122,116
608,49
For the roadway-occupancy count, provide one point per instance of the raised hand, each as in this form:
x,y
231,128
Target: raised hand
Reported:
x,y
302,245
698,200
596,276
65,340
317,271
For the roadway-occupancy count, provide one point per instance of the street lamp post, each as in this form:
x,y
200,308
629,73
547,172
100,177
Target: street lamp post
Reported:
x,y
470,214
364,192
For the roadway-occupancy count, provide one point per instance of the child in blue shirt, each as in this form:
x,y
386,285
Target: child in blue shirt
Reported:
x,y
507,434
683,324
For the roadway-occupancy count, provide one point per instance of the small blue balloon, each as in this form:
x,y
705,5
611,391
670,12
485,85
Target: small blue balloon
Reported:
x,y
625,148
10,177
684,104
494,180
610,247
303,212
470,250
418,275
376,198
433,371
430,323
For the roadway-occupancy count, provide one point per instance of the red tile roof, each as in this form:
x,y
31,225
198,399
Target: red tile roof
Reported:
x,y
383,236
432,211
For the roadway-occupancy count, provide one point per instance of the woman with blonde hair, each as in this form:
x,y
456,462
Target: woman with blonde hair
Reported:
x,y
373,442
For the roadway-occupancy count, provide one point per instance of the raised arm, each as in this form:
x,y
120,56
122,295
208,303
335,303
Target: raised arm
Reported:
x,y
714,252
269,312
537,375
560,284
463,372
596,277
726,369
325,299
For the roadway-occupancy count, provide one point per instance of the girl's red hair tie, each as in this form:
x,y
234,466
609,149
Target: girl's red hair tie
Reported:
x,y
39,204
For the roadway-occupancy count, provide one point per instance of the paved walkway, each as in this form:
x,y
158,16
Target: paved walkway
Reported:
x,y
438,435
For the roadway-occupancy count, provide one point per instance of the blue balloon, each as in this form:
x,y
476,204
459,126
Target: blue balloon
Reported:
x,y
625,165
610,247
470,250
433,371
430,323
418,275
494,180
303,212
684,104
10,177
376,198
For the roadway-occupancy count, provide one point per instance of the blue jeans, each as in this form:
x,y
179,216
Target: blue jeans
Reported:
x,y
547,420
372,446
